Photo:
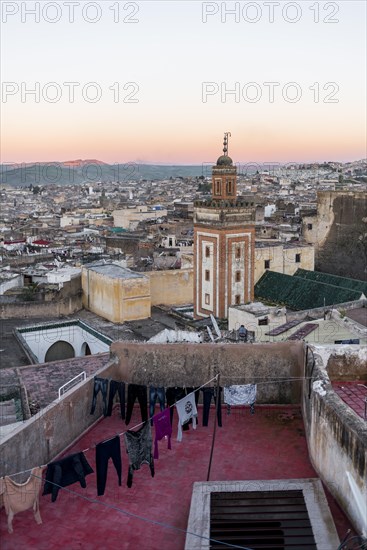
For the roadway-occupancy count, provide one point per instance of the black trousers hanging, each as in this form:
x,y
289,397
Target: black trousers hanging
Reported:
x,y
136,391
208,394
118,387
100,385
105,451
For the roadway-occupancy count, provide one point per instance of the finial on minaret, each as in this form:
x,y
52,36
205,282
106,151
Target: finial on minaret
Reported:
x,y
225,143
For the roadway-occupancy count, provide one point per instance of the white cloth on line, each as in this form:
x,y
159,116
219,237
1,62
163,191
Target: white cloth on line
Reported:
x,y
240,395
186,409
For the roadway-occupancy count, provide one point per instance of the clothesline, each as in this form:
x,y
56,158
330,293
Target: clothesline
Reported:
x,y
142,518
121,433
148,420
162,524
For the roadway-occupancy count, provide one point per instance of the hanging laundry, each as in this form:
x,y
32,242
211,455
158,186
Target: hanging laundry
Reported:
x,y
186,410
162,428
18,497
139,449
65,472
174,394
208,394
100,385
241,395
136,391
156,394
118,387
104,451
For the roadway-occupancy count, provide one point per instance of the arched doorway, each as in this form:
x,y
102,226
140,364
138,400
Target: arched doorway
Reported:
x,y
86,349
59,350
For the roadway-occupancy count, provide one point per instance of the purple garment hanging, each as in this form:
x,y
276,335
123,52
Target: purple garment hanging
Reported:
x,y
162,427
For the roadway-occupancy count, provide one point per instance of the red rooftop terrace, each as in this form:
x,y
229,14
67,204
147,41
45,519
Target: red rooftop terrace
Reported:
x,y
270,444
301,430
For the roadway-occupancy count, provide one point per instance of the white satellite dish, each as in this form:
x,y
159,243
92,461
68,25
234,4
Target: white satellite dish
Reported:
x,y
215,325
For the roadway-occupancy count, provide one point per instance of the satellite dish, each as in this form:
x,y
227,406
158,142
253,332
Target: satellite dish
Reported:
x,y
215,325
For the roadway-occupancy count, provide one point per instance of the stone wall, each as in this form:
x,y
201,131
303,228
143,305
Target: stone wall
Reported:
x,y
339,233
44,436
337,443
194,364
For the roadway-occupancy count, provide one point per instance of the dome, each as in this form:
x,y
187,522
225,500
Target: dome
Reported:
x,y
224,161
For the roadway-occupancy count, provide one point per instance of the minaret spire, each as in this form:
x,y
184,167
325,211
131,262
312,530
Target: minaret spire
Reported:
x,y
225,143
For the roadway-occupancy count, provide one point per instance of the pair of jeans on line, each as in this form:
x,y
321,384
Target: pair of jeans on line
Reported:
x,y
136,391
208,394
118,387
156,394
100,385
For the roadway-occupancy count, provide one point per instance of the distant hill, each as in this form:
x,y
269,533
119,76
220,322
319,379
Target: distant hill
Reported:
x,y
92,171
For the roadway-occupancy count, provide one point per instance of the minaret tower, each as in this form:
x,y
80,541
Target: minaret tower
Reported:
x,y
224,244
224,176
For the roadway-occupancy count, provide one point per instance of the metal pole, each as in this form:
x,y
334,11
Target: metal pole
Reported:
x,y
217,404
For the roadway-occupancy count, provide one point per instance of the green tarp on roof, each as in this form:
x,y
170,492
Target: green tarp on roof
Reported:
x,y
298,293
352,284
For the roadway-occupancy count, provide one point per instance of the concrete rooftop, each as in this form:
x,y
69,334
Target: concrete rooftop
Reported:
x,y
268,445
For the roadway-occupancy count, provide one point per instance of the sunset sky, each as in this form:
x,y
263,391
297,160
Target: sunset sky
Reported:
x,y
169,53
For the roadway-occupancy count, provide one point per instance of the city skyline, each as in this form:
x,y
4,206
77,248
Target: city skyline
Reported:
x,y
159,82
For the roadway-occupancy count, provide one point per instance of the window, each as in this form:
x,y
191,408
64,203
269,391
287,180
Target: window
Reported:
x,y
218,187
238,252
207,275
207,252
298,258
309,226
229,187
267,264
238,276
237,299
263,322
207,299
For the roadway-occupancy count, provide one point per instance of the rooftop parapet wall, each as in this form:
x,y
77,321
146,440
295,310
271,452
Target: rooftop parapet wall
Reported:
x,y
337,440
40,439
192,365
350,365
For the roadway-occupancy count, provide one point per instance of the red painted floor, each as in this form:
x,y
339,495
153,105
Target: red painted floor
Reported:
x,y
353,394
268,445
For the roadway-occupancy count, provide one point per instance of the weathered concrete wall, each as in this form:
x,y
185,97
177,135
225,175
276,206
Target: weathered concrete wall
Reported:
x,y
18,261
41,438
17,310
172,287
195,364
349,366
116,299
49,303
318,312
337,443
